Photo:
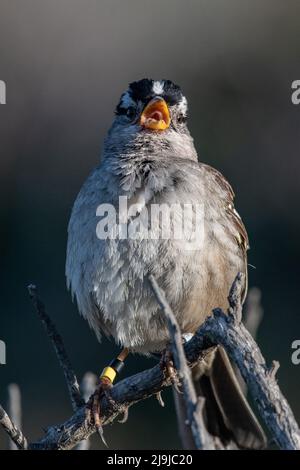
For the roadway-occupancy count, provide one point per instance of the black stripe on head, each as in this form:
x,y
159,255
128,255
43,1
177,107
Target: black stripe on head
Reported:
x,y
144,90
172,93
141,90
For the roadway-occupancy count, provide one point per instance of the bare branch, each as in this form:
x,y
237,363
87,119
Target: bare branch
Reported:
x,y
14,409
59,348
234,337
14,433
235,299
124,394
184,429
220,328
88,385
202,439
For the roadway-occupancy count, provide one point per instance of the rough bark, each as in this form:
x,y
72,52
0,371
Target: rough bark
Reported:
x,y
220,328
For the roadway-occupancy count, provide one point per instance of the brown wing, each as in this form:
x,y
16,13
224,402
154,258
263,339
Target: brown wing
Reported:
x,y
238,230
220,180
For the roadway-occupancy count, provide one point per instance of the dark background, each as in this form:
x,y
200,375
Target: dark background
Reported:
x,y
65,64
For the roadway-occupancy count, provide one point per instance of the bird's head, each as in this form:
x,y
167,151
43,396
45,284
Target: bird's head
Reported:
x,y
151,114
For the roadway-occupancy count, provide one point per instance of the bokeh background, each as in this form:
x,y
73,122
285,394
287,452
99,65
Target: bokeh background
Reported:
x,y
65,63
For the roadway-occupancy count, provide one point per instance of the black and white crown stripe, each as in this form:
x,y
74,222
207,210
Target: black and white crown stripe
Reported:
x,y
144,90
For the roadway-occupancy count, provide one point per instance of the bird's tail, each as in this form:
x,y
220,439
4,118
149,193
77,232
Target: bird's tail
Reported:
x,y
227,413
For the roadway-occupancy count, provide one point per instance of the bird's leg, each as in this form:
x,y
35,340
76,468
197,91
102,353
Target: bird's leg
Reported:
x,y
109,373
167,365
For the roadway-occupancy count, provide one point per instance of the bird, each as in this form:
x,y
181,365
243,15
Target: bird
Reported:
x,y
148,161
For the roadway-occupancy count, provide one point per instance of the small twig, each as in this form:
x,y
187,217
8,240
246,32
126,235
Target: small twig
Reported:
x,y
88,385
202,439
274,369
11,429
14,409
235,309
184,429
59,348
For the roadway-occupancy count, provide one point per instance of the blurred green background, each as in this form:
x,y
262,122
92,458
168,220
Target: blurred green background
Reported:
x,y
65,63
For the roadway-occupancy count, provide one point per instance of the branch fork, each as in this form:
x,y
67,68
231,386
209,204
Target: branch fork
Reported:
x,y
225,329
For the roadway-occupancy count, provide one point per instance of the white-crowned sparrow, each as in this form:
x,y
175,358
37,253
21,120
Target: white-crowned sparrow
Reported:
x,y
149,159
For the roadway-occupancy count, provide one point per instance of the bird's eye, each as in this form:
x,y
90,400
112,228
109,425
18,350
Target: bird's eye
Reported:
x,y
181,119
130,112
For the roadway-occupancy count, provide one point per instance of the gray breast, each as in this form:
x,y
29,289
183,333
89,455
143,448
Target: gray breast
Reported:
x,y
109,277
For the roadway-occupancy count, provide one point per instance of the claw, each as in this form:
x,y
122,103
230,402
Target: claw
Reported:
x,y
167,365
111,401
101,434
93,409
125,416
160,399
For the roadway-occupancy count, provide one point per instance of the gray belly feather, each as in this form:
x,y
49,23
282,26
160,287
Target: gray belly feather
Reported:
x,y
109,277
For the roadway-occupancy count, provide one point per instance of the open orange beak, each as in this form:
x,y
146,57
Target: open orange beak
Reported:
x,y
156,115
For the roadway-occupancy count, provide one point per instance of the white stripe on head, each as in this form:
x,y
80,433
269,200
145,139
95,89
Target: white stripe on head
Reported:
x,y
158,87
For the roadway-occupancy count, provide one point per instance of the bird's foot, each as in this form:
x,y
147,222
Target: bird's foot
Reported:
x,y
167,365
93,409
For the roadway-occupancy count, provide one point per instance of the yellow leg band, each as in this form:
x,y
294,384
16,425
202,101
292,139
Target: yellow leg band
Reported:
x,y
109,373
